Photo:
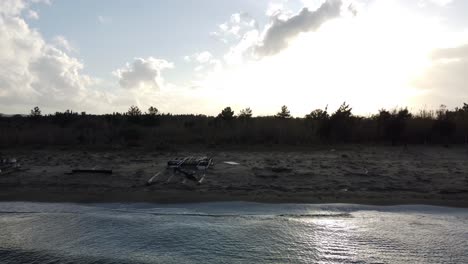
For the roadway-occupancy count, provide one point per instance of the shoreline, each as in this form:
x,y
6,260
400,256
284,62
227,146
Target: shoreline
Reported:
x,y
181,197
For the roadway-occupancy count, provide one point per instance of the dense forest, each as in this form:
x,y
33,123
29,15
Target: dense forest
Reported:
x,y
155,130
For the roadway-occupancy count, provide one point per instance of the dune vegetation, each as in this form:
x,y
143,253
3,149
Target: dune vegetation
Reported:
x,y
157,130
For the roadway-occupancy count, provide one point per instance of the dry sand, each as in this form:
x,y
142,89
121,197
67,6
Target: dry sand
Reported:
x,y
348,174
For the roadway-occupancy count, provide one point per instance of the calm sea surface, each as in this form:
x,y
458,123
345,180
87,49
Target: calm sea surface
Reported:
x,y
231,233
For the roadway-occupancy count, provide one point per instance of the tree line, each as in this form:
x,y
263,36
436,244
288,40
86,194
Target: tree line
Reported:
x,y
151,128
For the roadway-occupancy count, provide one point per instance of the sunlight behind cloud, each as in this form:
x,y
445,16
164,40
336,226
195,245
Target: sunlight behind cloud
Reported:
x,y
368,61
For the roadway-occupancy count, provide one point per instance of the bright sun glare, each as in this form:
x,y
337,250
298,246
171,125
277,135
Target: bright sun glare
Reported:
x,y
369,61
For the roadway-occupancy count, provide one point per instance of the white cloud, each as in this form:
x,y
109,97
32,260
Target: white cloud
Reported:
x,y
200,57
204,57
235,27
143,73
62,43
54,72
283,28
445,77
11,7
47,2
369,60
204,61
36,72
280,31
274,8
250,44
15,7
33,71
33,14
305,60
244,49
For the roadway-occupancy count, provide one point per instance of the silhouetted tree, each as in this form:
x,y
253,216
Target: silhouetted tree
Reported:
x,y
462,118
284,113
134,114
465,107
134,111
343,112
322,118
152,118
226,114
383,119
397,125
245,113
319,126
318,114
153,111
341,122
444,124
441,113
36,112
65,118
384,114
426,114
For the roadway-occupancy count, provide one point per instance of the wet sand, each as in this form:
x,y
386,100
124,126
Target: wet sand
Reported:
x,y
349,174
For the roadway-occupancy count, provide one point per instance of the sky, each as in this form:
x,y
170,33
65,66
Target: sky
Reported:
x,y
199,56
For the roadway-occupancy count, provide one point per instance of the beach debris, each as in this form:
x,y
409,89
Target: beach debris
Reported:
x,y
151,181
9,165
231,163
188,174
201,179
191,166
170,178
201,163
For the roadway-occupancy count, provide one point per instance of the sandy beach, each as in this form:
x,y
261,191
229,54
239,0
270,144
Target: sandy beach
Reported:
x,y
341,174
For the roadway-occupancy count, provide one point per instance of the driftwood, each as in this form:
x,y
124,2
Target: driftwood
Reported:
x,y
151,181
192,168
231,163
10,170
187,174
8,166
200,163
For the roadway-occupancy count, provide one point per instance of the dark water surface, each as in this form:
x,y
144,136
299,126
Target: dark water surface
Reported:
x,y
231,233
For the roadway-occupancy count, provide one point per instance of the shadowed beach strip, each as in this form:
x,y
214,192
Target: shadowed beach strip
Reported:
x,y
350,174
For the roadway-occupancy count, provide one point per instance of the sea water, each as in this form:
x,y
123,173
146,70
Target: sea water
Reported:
x,y
231,233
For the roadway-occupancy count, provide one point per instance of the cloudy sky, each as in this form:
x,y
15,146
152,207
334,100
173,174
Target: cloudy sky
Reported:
x,y
199,56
